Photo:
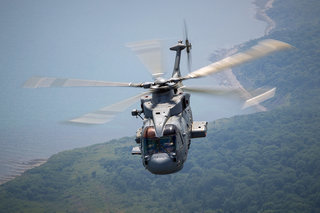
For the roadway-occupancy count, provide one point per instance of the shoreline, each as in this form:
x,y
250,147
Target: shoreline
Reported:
x,y
261,14
21,167
227,78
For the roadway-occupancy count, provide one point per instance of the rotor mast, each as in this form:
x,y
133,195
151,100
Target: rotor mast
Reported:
x,y
178,48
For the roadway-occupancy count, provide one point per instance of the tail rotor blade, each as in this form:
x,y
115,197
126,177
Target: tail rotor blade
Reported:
x,y
188,46
189,62
185,32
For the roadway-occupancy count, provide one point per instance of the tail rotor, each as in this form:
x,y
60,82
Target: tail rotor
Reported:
x,y
188,46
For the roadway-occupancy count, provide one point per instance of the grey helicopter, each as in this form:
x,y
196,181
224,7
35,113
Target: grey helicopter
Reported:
x,y
164,139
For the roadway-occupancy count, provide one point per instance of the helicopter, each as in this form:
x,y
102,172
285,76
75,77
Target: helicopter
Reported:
x,y
164,139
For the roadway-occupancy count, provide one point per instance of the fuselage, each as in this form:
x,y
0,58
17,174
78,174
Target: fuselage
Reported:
x,y
166,132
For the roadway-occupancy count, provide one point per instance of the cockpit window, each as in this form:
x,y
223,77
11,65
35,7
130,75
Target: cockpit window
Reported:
x,y
165,144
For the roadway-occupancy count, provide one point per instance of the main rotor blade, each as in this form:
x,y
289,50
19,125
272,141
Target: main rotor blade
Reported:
x,y
36,82
259,98
236,92
263,48
240,93
151,55
107,113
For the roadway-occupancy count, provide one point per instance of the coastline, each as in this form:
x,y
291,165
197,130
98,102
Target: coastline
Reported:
x,y
262,6
21,167
227,78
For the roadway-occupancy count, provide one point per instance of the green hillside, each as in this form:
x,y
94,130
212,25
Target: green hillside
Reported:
x,y
263,162
266,162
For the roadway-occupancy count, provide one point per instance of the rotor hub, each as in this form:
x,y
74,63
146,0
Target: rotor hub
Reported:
x,y
160,81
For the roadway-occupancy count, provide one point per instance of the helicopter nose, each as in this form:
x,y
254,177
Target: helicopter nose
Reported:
x,y
161,163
